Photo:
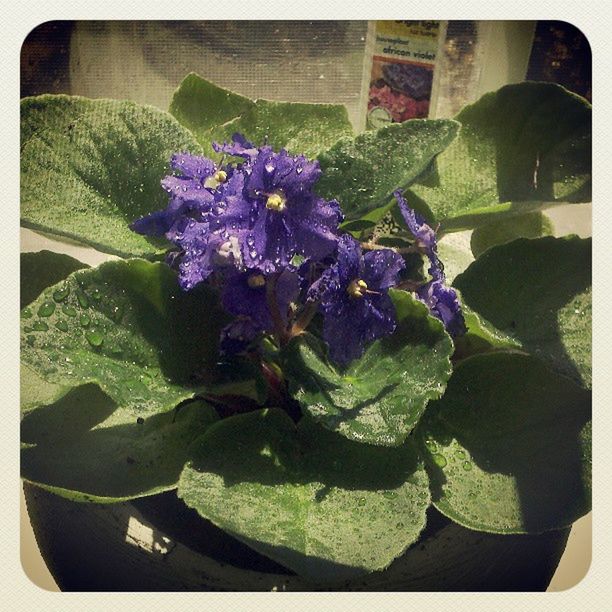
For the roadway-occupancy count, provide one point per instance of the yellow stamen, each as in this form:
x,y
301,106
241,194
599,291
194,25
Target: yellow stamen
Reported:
x,y
276,201
256,281
221,176
357,288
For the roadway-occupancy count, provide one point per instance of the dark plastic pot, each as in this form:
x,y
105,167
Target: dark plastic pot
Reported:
x,y
158,544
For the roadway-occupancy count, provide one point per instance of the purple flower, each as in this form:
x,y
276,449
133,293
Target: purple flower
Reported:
x,y
354,300
285,216
198,196
424,235
237,336
255,215
441,300
190,194
239,147
443,303
244,294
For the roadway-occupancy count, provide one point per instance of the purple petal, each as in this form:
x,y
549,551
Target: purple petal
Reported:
x,y
239,297
381,268
237,336
443,303
356,324
193,166
239,147
349,262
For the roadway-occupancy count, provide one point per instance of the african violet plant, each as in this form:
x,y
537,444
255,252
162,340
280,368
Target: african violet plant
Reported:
x,y
278,339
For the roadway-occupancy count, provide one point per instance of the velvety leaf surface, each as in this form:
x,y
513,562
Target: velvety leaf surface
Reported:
x,y
87,448
538,292
379,398
127,327
298,127
37,272
362,172
214,113
530,225
90,167
488,215
41,270
321,505
524,142
201,106
455,254
510,446
481,336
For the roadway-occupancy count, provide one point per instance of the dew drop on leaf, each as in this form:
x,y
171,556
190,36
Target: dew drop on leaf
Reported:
x,y
94,337
69,310
439,460
82,298
62,325
46,309
59,295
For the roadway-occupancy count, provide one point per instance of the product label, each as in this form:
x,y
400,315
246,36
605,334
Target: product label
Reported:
x,y
402,70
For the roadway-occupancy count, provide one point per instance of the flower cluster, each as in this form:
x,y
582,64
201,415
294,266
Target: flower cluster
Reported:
x,y
259,231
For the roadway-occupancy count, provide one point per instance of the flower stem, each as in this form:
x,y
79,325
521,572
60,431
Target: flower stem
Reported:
x,y
409,285
373,246
280,331
304,319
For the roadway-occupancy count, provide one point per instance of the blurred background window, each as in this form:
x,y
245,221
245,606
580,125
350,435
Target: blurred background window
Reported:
x,y
427,68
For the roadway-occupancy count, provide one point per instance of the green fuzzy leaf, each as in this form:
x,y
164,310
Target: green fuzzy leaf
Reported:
x,y
202,106
481,336
380,397
325,507
362,172
510,446
489,215
455,254
214,113
302,129
530,225
87,448
524,142
129,328
38,271
90,167
41,270
538,291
